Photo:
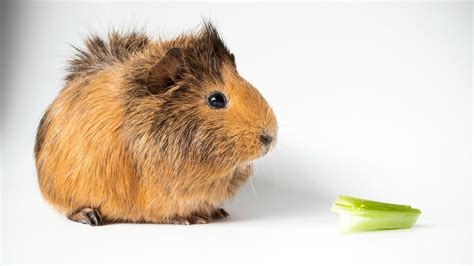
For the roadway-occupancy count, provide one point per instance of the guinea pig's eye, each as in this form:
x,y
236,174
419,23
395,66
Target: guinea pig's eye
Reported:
x,y
216,100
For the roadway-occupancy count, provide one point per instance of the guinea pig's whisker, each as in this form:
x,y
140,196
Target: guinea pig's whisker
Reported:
x,y
252,186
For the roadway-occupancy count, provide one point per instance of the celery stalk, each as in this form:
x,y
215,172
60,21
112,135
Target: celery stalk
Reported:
x,y
357,215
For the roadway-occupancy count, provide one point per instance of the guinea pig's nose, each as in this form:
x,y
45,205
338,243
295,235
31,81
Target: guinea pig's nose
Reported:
x,y
266,139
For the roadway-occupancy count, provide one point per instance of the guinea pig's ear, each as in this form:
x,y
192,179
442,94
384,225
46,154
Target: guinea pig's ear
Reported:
x,y
166,72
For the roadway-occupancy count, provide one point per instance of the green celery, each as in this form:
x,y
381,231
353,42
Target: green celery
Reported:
x,y
358,215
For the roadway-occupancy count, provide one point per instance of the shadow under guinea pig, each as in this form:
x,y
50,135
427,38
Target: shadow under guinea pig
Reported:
x,y
280,188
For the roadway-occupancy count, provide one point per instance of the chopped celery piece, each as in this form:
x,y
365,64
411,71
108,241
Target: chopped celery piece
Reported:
x,y
357,215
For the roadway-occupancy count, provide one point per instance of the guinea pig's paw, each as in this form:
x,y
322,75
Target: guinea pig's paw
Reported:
x,y
220,213
192,219
88,216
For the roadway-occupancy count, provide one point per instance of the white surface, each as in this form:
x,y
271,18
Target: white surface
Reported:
x,y
373,100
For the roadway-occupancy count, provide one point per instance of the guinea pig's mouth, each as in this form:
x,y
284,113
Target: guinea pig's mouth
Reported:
x,y
265,151
267,147
268,142
265,143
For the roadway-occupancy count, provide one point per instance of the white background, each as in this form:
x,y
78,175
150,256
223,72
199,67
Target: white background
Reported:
x,y
373,100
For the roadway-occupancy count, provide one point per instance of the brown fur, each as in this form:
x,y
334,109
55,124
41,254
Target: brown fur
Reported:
x,y
132,137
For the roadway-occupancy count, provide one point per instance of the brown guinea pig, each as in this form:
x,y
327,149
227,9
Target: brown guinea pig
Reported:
x,y
151,131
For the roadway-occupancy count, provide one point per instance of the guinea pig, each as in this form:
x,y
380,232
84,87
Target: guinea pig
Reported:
x,y
151,131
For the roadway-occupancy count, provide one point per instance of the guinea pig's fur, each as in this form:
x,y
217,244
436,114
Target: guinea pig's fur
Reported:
x,y
132,137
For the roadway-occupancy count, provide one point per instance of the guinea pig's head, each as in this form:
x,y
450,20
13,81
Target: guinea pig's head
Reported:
x,y
189,107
